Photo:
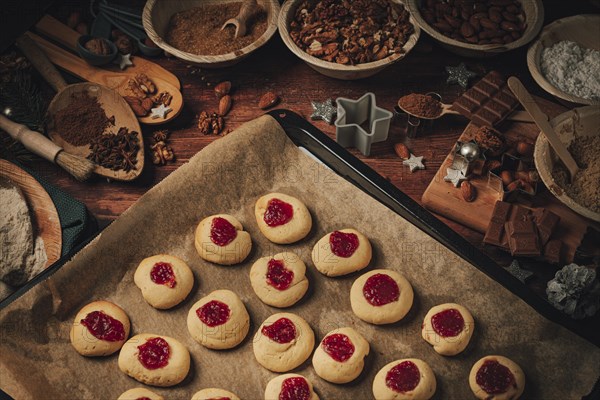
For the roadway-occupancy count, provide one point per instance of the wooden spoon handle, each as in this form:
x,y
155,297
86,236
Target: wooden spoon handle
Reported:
x,y
41,63
246,10
539,117
32,140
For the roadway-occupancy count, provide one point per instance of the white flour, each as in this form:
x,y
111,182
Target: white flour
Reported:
x,y
22,255
574,70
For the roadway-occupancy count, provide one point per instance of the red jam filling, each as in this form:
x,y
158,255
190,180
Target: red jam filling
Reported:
x,y
343,244
295,388
494,377
162,274
143,398
278,275
214,313
448,323
403,377
155,353
278,213
219,398
281,331
104,327
222,232
338,346
381,289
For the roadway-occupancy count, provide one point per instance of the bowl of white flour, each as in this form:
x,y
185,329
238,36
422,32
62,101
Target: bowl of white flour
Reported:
x,y
565,60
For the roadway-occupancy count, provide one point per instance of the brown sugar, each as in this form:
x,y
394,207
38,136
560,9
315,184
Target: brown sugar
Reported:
x,y
585,188
198,30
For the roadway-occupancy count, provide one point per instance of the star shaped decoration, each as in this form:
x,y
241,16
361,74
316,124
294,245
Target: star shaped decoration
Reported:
x,y
459,74
414,163
455,176
123,61
518,272
160,111
324,111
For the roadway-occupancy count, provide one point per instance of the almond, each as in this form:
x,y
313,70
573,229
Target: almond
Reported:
x,y
514,185
469,193
525,149
507,177
222,89
268,100
136,105
225,105
402,151
147,104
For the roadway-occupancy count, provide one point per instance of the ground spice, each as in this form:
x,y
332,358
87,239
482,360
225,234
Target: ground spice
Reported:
x,y
420,105
82,120
198,30
585,188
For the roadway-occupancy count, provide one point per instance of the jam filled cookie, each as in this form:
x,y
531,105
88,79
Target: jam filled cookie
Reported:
x,y
342,252
408,379
381,296
214,394
279,281
140,393
155,360
496,378
283,342
164,280
448,328
281,218
99,329
221,239
290,386
340,357
219,320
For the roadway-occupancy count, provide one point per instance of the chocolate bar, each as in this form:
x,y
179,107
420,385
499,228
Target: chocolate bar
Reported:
x,y
495,231
488,102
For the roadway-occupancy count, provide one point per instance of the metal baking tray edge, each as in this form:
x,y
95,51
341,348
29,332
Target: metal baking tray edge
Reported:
x,y
335,157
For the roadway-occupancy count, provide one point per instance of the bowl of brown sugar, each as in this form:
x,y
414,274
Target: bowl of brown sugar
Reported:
x,y
578,130
191,29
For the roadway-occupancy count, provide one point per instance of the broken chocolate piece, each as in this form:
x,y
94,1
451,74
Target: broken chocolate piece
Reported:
x,y
552,251
546,223
522,238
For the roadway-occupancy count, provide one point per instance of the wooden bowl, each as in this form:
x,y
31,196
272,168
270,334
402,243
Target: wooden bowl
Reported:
x,y
579,29
583,121
534,15
335,70
158,13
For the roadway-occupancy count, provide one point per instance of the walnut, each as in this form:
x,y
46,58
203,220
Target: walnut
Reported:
x,y
212,123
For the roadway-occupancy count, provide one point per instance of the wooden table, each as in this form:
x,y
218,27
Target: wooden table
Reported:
x,y
275,68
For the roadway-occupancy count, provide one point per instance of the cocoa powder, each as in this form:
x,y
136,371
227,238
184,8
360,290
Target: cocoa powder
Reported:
x,y
82,120
420,105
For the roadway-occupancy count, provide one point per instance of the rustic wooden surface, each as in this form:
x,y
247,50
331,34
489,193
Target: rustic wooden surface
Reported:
x,y
275,68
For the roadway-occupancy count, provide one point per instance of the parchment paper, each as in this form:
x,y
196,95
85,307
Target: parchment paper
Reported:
x,y
38,362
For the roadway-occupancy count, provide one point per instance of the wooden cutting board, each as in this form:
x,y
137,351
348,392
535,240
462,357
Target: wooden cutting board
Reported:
x,y
45,219
443,198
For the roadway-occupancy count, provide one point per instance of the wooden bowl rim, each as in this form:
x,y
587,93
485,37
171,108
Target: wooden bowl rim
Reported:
x,y
207,59
534,55
332,66
542,146
530,32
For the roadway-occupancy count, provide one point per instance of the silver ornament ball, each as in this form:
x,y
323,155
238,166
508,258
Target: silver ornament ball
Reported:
x,y
470,151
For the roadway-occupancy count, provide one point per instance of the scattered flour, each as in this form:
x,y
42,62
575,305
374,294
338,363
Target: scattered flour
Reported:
x,y
574,70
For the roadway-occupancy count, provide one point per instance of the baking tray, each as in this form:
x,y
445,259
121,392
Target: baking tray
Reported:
x,y
304,135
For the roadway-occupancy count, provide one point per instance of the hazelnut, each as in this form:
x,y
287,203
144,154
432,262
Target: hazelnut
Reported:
x,y
525,149
507,177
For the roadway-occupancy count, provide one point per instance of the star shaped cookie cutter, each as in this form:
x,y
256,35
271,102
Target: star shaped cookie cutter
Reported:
x,y
351,117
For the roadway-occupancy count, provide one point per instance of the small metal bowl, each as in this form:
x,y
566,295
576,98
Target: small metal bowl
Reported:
x,y
93,58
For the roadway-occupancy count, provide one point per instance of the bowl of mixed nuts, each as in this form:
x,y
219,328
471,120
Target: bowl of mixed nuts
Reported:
x,y
479,28
348,39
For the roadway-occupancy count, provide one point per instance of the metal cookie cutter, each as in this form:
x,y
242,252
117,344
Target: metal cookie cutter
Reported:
x,y
414,124
352,115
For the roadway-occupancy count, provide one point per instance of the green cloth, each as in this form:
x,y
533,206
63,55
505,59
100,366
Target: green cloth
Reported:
x,y
76,222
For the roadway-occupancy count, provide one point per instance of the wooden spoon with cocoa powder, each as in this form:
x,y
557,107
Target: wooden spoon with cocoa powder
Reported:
x,y
432,108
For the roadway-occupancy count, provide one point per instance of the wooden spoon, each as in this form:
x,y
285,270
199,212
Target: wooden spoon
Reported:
x,y
533,109
240,21
519,116
112,103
